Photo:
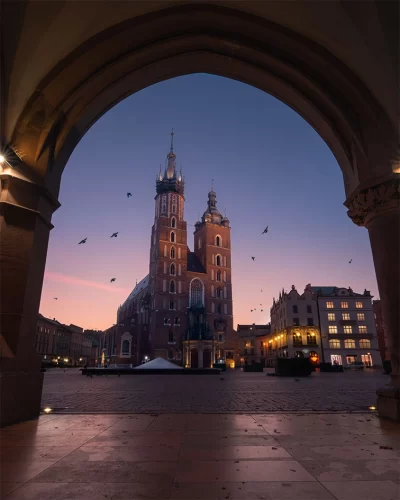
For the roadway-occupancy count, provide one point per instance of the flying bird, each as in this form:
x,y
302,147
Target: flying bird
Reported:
x,y
82,241
128,195
55,298
265,230
350,261
262,310
112,280
114,235
251,310
261,289
253,258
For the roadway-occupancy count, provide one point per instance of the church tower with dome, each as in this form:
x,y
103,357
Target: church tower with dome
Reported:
x,y
186,313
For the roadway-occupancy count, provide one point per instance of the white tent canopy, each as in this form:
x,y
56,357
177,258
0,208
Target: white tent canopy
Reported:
x,y
158,364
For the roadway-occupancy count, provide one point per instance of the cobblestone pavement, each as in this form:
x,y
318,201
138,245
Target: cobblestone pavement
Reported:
x,y
232,392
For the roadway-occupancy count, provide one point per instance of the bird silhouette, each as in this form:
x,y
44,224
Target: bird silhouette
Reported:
x,y
114,235
260,304
251,310
128,195
112,280
261,289
55,298
82,241
262,310
253,258
265,230
350,261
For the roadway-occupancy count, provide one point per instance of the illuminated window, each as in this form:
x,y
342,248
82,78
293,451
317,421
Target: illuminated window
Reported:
x,y
344,305
218,241
332,329
362,329
172,236
361,316
359,305
348,329
172,253
346,316
365,344
334,344
349,343
173,222
331,317
329,305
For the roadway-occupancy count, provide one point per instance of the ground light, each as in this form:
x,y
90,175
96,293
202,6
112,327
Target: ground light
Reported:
x,y
47,410
372,408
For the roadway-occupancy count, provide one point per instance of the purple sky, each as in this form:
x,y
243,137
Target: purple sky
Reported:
x,y
269,168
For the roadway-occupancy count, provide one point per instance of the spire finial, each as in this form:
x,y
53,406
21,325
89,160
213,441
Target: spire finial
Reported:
x,y
212,184
172,140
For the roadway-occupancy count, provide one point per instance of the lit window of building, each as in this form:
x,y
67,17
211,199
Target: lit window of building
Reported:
x,y
332,329
347,329
361,316
334,344
331,317
349,343
346,316
365,344
344,305
329,305
359,305
362,329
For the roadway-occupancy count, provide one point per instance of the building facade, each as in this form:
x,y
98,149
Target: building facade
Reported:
x,y
252,343
380,330
347,326
182,310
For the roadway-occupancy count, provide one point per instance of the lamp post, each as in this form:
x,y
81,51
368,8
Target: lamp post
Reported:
x,y
320,329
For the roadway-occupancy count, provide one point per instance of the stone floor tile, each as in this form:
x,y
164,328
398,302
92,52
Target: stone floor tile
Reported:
x,y
322,440
249,491
238,471
169,422
359,452
108,472
136,422
7,488
92,491
234,453
365,490
31,453
124,454
137,438
385,440
353,470
20,472
23,439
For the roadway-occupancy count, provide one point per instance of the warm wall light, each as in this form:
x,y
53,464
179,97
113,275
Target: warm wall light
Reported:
x,y
47,410
372,408
65,360
2,159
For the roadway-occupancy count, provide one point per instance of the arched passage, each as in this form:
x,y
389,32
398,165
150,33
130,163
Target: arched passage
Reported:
x,y
50,102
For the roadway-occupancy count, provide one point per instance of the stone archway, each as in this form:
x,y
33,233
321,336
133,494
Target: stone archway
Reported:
x,y
194,358
343,85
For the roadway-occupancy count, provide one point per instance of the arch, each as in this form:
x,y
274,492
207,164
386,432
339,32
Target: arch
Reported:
x,y
172,237
218,260
126,343
173,222
196,292
218,241
311,338
172,270
172,287
172,252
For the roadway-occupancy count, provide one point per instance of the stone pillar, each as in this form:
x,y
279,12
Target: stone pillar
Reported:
x,y
200,351
25,213
378,209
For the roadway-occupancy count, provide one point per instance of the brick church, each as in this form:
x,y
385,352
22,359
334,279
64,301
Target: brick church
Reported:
x,y
182,310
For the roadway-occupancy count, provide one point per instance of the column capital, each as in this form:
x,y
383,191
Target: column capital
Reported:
x,y
370,202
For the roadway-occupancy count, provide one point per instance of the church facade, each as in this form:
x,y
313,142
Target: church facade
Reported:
x,y
182,310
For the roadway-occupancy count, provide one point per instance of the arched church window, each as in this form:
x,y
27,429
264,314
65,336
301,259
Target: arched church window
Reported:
x,y
172,253
172,286
218,241
196,292
172,269
173,222
172,236
219,260
218,275
219,308
125,347
219,293
173,210
164,204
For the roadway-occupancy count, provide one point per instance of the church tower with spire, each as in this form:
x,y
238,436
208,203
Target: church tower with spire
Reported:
x,y
168,258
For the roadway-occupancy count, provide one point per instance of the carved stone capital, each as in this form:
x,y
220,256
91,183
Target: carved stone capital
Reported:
x,y
373,201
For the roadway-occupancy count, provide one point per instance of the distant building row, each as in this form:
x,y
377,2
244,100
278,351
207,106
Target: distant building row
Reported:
x,y
60,344
326,324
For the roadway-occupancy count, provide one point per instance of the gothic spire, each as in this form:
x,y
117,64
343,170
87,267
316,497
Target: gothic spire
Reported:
x,y
171,159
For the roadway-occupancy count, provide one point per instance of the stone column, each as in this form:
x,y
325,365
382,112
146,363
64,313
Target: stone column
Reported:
x,y
25,213
378,209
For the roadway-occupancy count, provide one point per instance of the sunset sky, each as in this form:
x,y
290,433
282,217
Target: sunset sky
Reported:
x,y
269,168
